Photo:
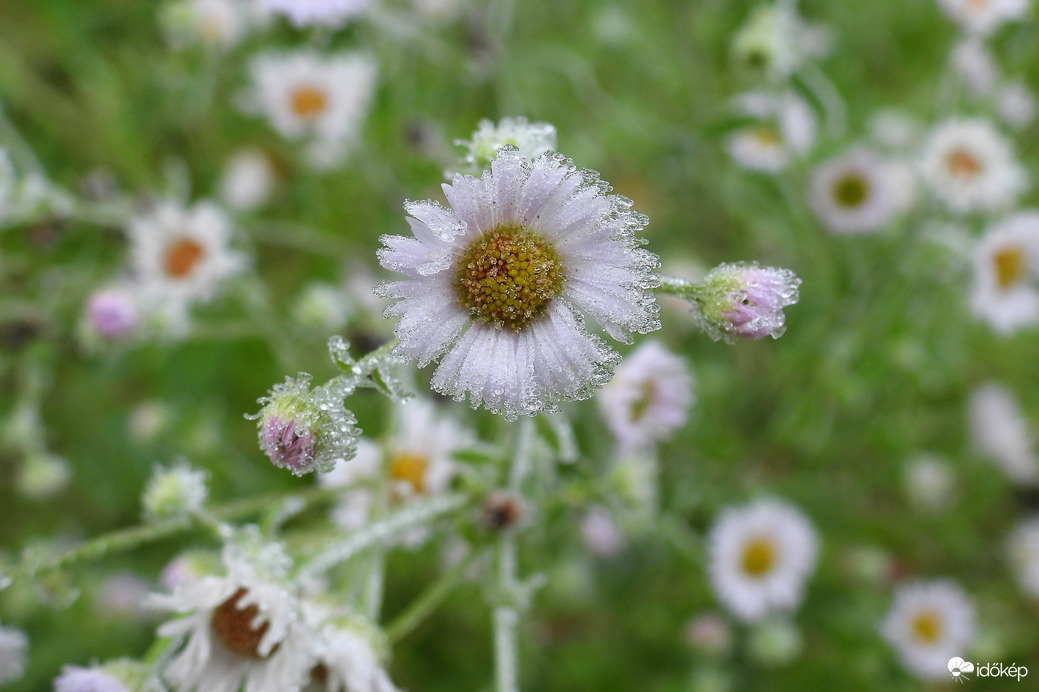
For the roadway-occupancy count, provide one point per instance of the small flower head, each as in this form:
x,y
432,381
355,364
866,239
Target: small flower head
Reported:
x,y
1005,290
175,491
532,139
212,23
13,644
852,193
1000,432
112,313
350,658
929,483
929,623
247,180
501,510
317,12
745,300
785,129
776,42
306,430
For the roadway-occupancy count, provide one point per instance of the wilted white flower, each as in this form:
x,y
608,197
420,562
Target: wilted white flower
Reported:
x,y
759,557
1016,104
929,623
175,491
971,167
320,99
983,16
744,300
853,193
242,628
929,483
532,140
1000,432
314,12
976,65
303,429
649,397
786,130
13,644
1005,290
497,284
182,254
247,180
600,533
1022,547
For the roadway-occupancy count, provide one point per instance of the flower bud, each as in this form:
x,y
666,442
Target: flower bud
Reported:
x,y
174,492
112,313
306,430
745,300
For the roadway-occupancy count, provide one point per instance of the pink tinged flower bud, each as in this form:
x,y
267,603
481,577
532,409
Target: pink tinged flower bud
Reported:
x,y
746,301
112,313
287,447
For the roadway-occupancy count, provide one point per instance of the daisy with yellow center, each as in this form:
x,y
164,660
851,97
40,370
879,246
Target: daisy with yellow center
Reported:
x,y
498,286
928,624
785,130
1005,289
759,557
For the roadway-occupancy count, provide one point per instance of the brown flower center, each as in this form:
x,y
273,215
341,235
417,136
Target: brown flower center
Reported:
x,y
759,557
926,626
309,102
234,626
507,277
962,164
182,256
1009,263
410,468
850,190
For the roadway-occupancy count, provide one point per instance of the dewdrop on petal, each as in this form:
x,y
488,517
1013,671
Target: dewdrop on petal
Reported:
x,y
306,430
532,139
745,300
174,491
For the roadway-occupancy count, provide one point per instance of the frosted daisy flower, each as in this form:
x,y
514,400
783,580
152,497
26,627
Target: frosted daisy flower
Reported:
x,y
1005,291
349,660
929,623
971,167
983,16
786,130
307,96
759,557
175,491
318,12
13,644
303,429
244,628
649,397
1016,104
182,254
1000,432
247,180
1022,546
532,140
497,283
851,193
417,461
976,65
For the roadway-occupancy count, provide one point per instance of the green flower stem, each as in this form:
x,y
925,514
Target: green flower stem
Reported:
x,y
673,286
127,539
428,600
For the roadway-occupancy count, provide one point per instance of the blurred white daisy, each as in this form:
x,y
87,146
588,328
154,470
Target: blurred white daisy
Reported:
x,y
976,65
971,167
999,432
217,23
13,644
929,483
318,12
785,130
244,628
182,254
983,16
777,41
1022,546
247,180
1016,104
1005,290
759,557
348,660
532,139
929,623
852,193
497,284
320,99
649,397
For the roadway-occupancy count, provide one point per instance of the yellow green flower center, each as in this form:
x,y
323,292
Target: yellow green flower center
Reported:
x,y
1009,263
767,135
410,468
507,277
759,557
850,191
927,626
